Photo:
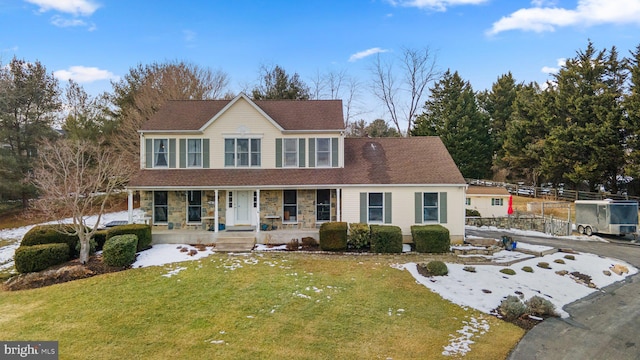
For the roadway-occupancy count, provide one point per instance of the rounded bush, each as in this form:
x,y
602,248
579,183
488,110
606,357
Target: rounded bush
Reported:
x,y
569,257
141,231
437,268
512,308
528,269
508,271
120,250
51,234
544,265
540,306
359,236
100,237
39,257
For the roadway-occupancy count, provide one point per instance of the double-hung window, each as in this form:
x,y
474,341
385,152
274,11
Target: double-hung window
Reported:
x,y
160,206
497,202
323,152
194,206
160,153
323,205
290,205
375,207
290,152
242,152
430,207
194,153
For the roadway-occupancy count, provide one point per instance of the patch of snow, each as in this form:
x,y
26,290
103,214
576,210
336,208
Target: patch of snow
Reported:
x,y
459,344
406,248
174,271
162,254
263,247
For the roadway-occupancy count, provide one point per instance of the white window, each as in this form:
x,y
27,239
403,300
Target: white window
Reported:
x,y
323,152
160,152
242,152
497,202
194,153
375,207
290,205
290,152
430,207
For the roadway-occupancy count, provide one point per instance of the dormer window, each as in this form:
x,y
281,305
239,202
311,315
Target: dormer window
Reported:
x,y
160,151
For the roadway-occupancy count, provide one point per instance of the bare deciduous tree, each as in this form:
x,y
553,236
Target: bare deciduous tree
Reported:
x,y
402,94
76,178
337,84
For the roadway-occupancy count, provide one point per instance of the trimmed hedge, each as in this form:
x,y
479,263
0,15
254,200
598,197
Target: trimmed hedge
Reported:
x,y
431,238
359,235
50,234
333,236
386,239
100,238
39,257
141,231
120,250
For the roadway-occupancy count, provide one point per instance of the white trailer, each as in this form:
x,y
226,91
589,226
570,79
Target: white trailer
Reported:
x,y
613,217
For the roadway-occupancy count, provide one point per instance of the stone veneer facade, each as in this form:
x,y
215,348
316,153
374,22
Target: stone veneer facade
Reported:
x,y
270,205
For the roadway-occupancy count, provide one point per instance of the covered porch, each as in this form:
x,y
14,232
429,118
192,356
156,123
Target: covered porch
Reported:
x,y
193,237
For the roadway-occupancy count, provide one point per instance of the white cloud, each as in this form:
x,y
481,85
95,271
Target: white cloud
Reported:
x,y
189,35
363,54
541,3
75,7
552,70
437,5
587,13
83,74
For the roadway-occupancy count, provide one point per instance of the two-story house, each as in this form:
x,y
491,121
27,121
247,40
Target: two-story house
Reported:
x,y
225,164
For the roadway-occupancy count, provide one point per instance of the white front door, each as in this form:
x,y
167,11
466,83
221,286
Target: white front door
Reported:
x,y
242,207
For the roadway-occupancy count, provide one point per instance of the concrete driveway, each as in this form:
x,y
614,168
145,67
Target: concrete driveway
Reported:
x,y
604,325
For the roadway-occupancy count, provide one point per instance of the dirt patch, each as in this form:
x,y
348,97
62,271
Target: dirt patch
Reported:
x,y
69,271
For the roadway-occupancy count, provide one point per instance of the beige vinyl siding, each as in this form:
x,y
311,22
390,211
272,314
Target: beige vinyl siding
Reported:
x,y
482,203
402,206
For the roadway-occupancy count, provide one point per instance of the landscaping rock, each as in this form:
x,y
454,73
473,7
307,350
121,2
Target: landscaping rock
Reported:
x,y
619,269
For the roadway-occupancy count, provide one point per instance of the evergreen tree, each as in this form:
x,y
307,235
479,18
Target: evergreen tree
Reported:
x,y
452,113
632,107
29,101
277,84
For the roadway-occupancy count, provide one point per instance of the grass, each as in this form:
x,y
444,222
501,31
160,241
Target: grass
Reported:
x,y
265,306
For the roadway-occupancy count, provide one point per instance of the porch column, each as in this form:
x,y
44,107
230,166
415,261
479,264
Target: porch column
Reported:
x,y
130,206
215,211
338,212
258,210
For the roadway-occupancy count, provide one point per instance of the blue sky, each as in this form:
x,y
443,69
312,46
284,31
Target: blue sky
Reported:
x,y
95,41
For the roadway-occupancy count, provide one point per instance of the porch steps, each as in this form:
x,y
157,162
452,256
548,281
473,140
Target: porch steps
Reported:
x,y
235,243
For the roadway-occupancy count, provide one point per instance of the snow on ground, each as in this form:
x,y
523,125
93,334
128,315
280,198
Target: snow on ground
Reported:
x,y
162,254
538,234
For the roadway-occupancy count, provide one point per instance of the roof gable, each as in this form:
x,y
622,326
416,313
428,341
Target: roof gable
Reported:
x,y
286,115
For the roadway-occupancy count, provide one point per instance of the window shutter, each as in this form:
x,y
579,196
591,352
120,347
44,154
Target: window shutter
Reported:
x,y
183,153
205,153
363,208
278,152
148,149
443,207
172,153
387,208
301,154
312,152
418,210
334,152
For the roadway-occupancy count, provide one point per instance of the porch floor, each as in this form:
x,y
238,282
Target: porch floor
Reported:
x,y
273,237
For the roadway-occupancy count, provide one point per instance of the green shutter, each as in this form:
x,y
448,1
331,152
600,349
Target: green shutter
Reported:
x,y
363,208
205,153
301,154
418,208
334,152
387,208
443,207
148,149
172,153
312,152
278,153
183,153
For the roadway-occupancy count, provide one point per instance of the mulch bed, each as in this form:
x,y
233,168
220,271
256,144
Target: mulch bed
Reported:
x,y
69,271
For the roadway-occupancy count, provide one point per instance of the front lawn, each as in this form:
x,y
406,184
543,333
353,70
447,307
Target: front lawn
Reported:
x,y
262,306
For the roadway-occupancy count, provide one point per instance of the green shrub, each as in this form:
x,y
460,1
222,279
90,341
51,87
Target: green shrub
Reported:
x,y
39,257
512,308
472,212
100,237
508,271
437,268
120,250
544,265
333,236
51,234
386,239
540,306
569,257
141,231
431,238
359,236
558,261
527,269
